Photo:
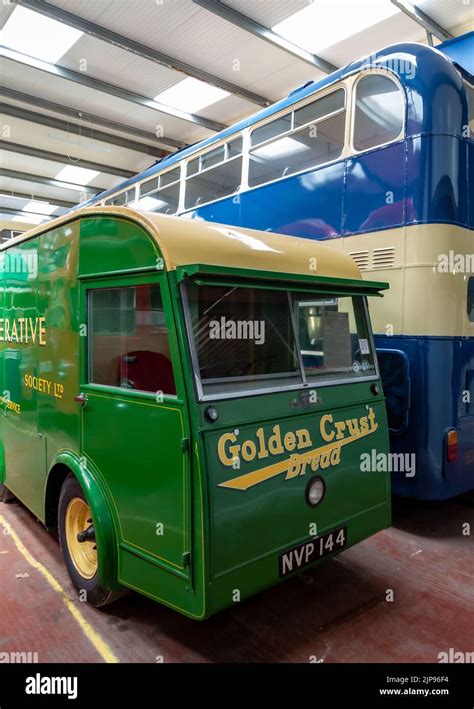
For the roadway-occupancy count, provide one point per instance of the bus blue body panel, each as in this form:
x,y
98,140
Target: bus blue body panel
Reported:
x,y
418,180
436,406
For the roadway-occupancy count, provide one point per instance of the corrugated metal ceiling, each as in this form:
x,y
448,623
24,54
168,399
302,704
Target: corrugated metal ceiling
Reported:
x,y
190,34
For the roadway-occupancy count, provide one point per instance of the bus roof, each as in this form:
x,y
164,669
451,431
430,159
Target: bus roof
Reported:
x,y
184,242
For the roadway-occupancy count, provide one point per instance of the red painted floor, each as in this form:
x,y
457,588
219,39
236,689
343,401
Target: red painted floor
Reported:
x,y
337,613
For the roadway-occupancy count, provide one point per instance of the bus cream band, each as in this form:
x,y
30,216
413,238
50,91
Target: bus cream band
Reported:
x,y
327,455
23,331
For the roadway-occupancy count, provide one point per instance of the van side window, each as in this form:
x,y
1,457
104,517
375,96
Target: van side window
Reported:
x,y
129,344
470,299
379,111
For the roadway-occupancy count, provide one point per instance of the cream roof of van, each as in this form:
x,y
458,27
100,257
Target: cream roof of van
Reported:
x,y
193,241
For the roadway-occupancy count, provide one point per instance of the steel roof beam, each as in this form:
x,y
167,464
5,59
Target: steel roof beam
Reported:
x,y
246,23
22,212
36,198
424,20
50,182
98,85
78,114
141,50
58,157
81,130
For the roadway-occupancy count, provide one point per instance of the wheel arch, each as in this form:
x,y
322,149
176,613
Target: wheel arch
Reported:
x,y
64,464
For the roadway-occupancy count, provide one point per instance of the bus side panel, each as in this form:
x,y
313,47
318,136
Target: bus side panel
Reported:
x,y
438,367
436,184
308,205
374,196
58,359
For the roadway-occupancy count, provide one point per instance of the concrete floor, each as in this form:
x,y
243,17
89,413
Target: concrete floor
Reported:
x,y
337,613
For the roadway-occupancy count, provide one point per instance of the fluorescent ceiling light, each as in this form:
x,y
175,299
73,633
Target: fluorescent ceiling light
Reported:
x,y
39,207
326,22
148,203
191,95
37,35
76,175
280,148
29,219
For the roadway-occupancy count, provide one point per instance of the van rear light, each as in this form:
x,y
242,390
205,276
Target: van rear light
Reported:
x,y
451,446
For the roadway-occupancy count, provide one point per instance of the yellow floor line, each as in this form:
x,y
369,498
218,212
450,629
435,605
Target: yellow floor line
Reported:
x,y
100,645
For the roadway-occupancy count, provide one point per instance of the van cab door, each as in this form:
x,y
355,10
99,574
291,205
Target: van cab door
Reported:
x,y
134,419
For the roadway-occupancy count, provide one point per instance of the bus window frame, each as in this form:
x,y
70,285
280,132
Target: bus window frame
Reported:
x,y
303,384
158,176
225,161
401,135
131,188
296,107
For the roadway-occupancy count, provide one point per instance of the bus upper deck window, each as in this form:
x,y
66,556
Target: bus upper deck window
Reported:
x,y
271,130
379,111
304,147
470,299
318,109
149,186
162,193
128,345
213,157
122,199
215,174
234,147
165,200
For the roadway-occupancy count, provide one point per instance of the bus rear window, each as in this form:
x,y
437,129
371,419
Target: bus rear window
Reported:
x,y
379,111
250,339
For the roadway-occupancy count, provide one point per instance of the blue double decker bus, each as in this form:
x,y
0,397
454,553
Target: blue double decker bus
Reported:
x,y
378,159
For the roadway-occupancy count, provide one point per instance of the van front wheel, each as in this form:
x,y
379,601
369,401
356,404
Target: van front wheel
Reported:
x,y
77,539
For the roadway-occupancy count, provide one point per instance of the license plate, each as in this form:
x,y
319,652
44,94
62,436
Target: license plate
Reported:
x,y
309,552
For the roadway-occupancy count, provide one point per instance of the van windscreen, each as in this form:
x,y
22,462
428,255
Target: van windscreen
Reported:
x,y
253,339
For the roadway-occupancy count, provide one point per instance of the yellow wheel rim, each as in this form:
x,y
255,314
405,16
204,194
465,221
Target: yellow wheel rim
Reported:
x,y
83,555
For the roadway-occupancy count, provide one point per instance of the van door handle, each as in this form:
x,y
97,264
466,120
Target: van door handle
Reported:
x,y
81,399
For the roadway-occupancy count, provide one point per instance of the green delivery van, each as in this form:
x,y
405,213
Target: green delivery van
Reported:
x,y
188,403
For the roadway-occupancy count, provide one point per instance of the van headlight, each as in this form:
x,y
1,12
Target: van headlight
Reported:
x,y
314,492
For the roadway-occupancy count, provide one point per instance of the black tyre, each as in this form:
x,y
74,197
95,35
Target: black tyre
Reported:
x,y
81,558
